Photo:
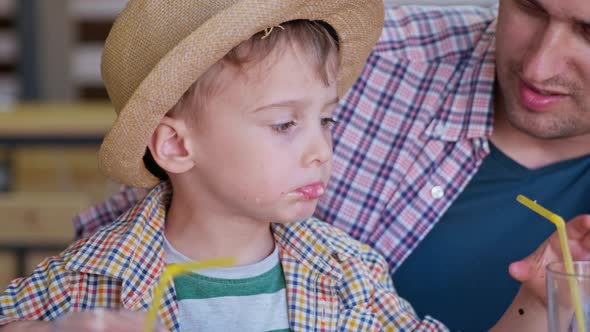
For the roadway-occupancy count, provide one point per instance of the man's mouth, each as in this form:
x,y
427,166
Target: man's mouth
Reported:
x,y
543,91
536,98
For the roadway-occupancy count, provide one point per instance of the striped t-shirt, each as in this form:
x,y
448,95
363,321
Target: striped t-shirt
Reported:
x,y
242,298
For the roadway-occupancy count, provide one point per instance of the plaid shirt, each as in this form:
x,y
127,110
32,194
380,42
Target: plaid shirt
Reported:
x,y
333,283
416,127
413,130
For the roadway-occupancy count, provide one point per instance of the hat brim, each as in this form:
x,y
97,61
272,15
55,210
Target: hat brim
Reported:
x,y
357,23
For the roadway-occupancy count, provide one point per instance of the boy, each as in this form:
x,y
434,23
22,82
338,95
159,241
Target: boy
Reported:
x,y
225,109
234,103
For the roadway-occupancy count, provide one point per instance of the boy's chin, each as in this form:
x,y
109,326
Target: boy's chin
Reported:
x,y
296,215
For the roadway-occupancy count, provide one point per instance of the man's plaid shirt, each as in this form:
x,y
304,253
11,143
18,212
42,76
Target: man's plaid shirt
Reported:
x,y
414,128
333,283
412,131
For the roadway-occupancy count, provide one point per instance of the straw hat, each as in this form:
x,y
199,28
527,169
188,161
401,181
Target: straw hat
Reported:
x,y
158,48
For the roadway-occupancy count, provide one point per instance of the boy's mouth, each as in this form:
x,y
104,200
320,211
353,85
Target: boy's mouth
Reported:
x,y
312,191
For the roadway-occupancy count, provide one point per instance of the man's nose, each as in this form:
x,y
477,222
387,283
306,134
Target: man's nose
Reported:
x,y
548,54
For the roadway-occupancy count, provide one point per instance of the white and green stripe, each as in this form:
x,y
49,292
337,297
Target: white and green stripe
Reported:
x,y
244,298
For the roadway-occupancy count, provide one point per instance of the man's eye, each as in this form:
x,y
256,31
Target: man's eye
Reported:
x,y
530,6
328,122
283,127
586,31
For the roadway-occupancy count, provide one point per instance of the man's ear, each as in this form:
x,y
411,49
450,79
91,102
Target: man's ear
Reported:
x,y
170,146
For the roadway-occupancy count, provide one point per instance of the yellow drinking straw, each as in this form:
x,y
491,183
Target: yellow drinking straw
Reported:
x,y
169,273
565,249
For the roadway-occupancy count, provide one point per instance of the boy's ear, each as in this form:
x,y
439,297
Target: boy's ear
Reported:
x,y
170,146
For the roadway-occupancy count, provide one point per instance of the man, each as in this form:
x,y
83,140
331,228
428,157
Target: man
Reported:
x,y
459,110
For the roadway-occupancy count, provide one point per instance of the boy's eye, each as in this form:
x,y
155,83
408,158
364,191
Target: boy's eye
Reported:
x,y
328,122
283,127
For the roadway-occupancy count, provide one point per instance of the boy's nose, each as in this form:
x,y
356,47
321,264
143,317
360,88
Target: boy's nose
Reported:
x,y
319,149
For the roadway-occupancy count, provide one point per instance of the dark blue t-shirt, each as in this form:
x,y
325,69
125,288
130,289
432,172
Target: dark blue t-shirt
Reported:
x,y
459,272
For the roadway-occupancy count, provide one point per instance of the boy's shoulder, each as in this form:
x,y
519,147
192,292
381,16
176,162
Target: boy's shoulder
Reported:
x,y
59,269
90,272
104,253
49,291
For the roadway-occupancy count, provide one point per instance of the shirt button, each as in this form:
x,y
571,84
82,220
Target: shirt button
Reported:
x,y
477,143
437,192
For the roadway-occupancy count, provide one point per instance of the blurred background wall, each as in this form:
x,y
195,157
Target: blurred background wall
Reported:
x,y
54,112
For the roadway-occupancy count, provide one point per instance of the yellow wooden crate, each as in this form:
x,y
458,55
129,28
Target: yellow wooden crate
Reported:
x,y
7,269
59,169
70,120
39,218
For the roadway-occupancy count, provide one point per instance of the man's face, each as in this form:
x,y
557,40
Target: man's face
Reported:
x,y
543,66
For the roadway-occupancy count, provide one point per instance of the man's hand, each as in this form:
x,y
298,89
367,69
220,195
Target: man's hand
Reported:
x,y
531,270
528,311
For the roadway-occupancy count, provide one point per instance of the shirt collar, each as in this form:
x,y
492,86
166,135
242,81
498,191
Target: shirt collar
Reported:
x,y
467,112
315,244
129,249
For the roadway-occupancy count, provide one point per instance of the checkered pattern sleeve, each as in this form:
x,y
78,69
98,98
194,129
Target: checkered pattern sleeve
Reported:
x,y
45,295
90,220
394,313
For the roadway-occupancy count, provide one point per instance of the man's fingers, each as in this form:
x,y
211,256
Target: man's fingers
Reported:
x,y
581,248
586,242
520,270
530,271
578,227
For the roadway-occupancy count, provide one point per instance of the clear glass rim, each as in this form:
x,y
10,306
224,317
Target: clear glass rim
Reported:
x,y
558,269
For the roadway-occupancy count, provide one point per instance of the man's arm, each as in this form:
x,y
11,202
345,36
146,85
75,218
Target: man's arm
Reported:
x,y
90,220
528,311
525,313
